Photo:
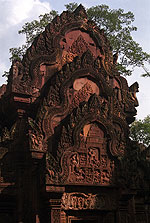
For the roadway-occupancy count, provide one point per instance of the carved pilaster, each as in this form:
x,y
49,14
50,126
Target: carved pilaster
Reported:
x,y
55,209
63,217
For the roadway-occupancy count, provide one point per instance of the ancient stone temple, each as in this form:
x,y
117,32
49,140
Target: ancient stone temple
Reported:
x,y
65,151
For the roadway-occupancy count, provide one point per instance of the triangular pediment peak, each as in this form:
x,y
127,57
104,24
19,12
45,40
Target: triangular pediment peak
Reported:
x,y
80,11
60,26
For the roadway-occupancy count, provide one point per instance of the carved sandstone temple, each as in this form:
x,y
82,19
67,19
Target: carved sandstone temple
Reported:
x,y
65,152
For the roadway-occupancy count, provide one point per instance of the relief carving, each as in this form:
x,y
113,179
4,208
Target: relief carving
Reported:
x,y
83,88
8,135
75,43
74,162
36,139
119,142
89,164
55,215
53,169
81,201
93,157
79,46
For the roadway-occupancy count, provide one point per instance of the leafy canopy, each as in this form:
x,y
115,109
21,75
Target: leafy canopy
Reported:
x,y
117,25
140,131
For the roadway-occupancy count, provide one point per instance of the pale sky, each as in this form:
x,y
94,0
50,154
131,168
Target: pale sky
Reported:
x,y
14,13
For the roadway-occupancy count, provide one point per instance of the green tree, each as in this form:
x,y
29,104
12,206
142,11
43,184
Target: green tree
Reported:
x,y
117,25
140,131
31,31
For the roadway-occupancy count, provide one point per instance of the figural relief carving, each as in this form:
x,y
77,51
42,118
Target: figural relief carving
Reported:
x,y
90,164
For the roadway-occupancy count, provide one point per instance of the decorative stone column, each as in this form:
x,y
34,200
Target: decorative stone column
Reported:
x,y
55,208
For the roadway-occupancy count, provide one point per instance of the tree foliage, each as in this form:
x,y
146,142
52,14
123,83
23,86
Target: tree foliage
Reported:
x,y
140,131
117,25
71,6
31,31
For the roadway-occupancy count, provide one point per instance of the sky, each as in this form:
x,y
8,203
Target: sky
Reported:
x,y
14,14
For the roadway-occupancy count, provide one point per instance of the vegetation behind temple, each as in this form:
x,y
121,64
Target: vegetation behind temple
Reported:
x,y
140,131
117,25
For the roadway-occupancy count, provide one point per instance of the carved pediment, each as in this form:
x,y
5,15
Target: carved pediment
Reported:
x,y
80,105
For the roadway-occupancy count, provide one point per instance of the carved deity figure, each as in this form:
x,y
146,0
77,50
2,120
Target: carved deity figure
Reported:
x,y
74,161
93,156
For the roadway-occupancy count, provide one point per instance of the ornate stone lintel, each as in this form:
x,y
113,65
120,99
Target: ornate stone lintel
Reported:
x,y
82,201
